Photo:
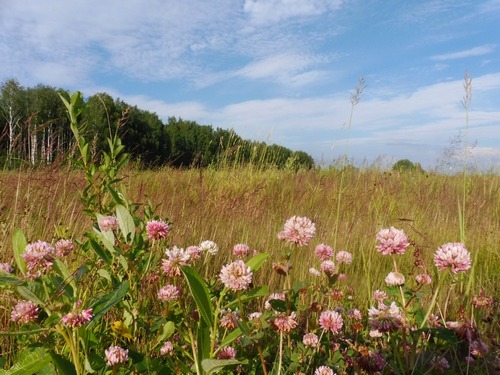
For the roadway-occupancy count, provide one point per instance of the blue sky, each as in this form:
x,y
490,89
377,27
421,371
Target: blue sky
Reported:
x,y
280,71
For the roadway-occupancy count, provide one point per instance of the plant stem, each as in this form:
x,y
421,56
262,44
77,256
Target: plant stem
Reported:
x,y
433,300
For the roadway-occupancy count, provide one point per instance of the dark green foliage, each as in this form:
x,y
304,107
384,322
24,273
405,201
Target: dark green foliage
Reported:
x,y
405,165
34,129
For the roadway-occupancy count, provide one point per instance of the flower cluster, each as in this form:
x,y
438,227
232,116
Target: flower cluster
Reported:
x,y
236,275
116,355
39,257
392,241
168,293
331,321
176,257
385,318
298,230
108,224
452,256
157,229
24,312
77,317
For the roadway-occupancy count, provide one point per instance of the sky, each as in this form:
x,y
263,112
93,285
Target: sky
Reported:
x,y
281,71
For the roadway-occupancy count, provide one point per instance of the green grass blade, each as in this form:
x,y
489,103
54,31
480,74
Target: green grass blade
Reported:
x,y
200,293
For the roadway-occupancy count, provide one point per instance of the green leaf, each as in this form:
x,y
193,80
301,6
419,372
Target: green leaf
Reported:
x,y
233,335
257,261
167,331
33,292
260,291
63,271
31,361
19,246
106,302
200,293
126,223
213,366
10,279
64,366
22,333
101,253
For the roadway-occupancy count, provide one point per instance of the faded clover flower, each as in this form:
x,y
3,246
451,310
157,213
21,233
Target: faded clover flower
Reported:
x,y
229,319
276,296
210,247
385,318
423,279
194,252
395,279
284,323
313,271
108,224
323,252
440,364
392,241
328,267
64,247
176,257
24,312
379,296
168,293
298,230
236,275
482,301
331,321
77,318
453,256
116,355
157,229
343,257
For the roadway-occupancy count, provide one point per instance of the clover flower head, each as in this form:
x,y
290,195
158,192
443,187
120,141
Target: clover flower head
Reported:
x,y
194,252
379,296
176,257
167,348
241,250
395,279
311,340
313,271
24,312
323,252
77,317
453,256
284,323
331,321
116,355
323,370
38,257
392,241
440,364
343,257
108,224
6,267
385,318
168,293
423,278
157,229
298,230
229,319
209,247
236,275
64,247
328,267
227,353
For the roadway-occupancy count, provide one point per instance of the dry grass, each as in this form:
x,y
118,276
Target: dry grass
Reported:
x,y
249,206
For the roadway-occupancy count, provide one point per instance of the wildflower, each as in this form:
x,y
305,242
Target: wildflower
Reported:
x,y
24,312
478,348
77,317
481,301
344,257
375,334
328,267
313,271
440,364
298,230
342,277
392,241
229,319
336,294
176,257
236,275
385,318
108,224
354,314
64,247
423,278
194,252
379,296
168,293
274,296
453,256
395,279
255,315
38,257
371,362
464,329
116,355
167,348
433,321
311,340
323,252
227,353
241,249
323,370
210,247
6,267
284,323
157,229
331,321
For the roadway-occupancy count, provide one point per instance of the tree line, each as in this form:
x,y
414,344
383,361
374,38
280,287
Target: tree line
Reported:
x,y
34,130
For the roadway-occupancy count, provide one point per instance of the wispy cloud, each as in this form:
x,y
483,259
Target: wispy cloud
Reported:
x,y
476,51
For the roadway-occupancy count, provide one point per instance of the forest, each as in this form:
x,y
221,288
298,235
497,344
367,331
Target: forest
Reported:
x,y
35,131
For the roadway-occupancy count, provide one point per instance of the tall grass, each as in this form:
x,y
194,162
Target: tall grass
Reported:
x,y
246,205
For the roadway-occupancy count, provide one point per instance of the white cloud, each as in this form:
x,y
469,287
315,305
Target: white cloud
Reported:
x,y
476,51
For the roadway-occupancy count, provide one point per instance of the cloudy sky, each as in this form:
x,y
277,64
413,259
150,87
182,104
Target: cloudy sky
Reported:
x,y
281,71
